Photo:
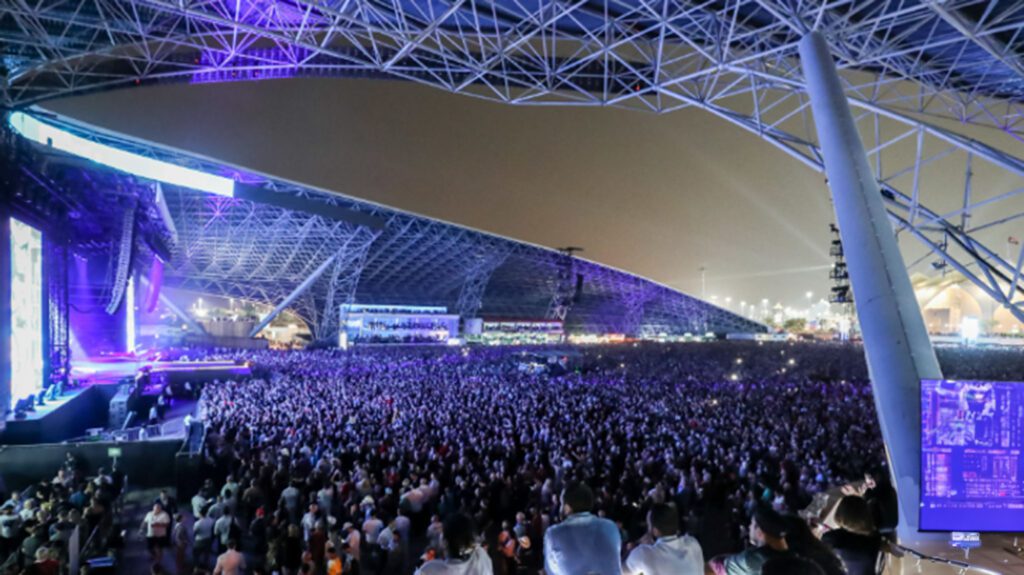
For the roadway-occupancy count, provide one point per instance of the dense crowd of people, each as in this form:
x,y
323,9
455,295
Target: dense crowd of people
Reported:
x,y
38,523
368,454
631,459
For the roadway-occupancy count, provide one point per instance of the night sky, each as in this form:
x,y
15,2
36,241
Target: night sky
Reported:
x,y
655,195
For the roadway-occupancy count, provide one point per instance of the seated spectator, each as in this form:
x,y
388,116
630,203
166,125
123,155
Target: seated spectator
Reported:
x,y
802,541
856,541
791,565
582,544
881,498
768,540
671,551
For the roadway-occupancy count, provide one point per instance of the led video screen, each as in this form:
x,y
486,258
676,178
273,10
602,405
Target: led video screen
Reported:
x,y
26,310
972,469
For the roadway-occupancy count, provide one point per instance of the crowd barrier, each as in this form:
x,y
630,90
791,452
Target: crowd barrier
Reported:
x,y
149,463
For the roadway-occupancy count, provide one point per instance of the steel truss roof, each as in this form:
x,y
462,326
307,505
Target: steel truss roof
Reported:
x,y
926,77
320,250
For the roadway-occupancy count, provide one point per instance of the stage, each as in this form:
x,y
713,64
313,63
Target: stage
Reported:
x,y
106,371
68,416
86,404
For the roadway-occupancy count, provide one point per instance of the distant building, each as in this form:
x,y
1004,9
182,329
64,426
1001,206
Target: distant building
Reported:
x,y
947,299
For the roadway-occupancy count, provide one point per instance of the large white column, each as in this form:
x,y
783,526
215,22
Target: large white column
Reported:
x,y
899,353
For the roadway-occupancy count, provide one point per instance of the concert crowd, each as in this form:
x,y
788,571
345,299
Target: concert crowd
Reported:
x,y
689,458
382,447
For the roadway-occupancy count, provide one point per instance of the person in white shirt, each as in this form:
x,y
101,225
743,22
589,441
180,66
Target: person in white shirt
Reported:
x,y
309,520
462,554
198,503
28,510
371,529
230,488
670,553
352,539
386,539
434,531
222,528
582,544
202,540
154,527
291,496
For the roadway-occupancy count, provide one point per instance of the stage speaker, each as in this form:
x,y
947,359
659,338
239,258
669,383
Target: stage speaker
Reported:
x,y
578,292
118,410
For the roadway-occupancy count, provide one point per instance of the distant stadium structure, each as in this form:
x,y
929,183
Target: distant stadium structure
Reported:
x,y
937,86
314,252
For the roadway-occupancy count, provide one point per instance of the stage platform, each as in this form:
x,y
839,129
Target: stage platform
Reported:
x,y
105,371
68,416
86,406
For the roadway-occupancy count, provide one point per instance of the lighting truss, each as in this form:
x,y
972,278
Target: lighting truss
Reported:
x,y
53,137
938,85
471,295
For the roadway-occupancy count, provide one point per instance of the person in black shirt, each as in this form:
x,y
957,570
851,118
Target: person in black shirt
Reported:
x,y
856,541
881,498
768,536
802,541
791,565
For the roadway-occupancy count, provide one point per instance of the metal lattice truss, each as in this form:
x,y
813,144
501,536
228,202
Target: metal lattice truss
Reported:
x,y
938,84
294,247
471,295
264,253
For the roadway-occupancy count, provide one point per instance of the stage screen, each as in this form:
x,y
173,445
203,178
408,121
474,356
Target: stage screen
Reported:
x,y
26,310
972,470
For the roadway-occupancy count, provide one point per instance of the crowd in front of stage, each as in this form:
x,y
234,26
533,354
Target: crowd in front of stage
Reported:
x,y
637,460
388,461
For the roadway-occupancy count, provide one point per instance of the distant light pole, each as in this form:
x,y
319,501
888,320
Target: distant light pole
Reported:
x,y
703,283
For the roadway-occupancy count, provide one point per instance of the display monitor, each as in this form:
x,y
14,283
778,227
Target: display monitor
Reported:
x,y
972,470
26,311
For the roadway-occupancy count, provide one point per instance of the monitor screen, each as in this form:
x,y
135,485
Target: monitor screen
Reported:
x,y
972,469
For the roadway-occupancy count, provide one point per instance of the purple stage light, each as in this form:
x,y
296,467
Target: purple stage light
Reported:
x,y
156,279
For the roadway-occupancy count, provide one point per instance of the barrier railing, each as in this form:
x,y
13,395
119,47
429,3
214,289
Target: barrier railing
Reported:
x,y
83,551
959,567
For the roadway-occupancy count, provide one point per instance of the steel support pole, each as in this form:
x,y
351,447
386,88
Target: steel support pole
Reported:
x,y
306,283
899,353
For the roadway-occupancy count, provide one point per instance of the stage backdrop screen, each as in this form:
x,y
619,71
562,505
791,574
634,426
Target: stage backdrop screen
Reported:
x,y
972,470
26,310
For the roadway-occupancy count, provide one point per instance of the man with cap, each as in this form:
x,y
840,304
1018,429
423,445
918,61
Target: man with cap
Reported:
x,y
352,539
768,537
582,544
670,553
